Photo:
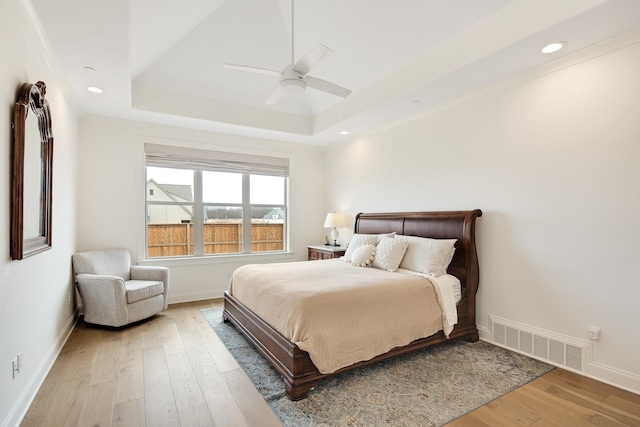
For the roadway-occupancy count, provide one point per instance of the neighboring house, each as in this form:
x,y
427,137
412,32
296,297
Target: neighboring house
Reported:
x,y
276,216
166,214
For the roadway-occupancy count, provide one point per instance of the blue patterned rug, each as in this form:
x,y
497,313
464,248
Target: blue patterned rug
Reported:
x,y
429,387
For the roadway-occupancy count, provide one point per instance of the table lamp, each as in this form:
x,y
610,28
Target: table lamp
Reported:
x,y
334,221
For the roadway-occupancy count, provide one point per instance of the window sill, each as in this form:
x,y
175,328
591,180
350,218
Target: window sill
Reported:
x,y
259,258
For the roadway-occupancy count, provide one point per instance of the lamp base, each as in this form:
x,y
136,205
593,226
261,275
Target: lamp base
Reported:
x,y
334,236
332,244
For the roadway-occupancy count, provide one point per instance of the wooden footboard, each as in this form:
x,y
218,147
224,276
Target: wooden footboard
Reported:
x,y
295,366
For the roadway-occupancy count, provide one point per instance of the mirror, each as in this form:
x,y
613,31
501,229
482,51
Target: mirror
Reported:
x,y
31,185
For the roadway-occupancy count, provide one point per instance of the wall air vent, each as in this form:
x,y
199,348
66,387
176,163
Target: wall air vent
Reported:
x,y
550,347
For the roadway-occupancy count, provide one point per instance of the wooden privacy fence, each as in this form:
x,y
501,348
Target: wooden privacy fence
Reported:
x,y
165,240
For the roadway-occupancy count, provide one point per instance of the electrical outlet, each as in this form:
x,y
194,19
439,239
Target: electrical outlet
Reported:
x,y
594,333
70,297
16,365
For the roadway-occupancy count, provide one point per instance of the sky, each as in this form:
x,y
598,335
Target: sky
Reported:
x,y
222,187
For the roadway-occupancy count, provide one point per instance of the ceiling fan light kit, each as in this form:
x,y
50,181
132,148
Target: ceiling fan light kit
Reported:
x,y
292,86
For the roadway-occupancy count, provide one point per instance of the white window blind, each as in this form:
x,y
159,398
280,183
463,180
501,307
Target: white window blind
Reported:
x,y
221,161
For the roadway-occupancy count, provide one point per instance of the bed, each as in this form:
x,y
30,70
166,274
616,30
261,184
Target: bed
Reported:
x,y
295,365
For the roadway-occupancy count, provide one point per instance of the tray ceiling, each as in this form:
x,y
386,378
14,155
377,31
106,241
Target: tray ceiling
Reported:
x,y
162,60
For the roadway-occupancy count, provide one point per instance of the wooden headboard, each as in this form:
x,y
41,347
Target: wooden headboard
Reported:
x,y
458,225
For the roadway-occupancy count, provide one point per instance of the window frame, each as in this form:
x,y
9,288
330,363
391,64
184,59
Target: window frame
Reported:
x,y
198,205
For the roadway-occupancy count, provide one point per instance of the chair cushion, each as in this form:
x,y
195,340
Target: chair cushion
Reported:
x,y
138,290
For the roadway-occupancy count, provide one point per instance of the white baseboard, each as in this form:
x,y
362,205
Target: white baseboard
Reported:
x,y
195,296
485,333
23,403
615,377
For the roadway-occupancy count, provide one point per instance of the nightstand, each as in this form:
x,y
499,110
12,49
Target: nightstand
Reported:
x,y
317,252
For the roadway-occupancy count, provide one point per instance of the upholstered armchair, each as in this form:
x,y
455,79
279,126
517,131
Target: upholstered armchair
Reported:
x,y
116,293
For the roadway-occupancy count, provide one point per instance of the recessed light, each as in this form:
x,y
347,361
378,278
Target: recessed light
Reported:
x,y
344,132
95,89
553,47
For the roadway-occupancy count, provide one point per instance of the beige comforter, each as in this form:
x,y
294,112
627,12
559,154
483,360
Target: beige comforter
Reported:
x,y
338,313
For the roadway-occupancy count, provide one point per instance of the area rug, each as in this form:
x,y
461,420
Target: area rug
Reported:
x,y
429,387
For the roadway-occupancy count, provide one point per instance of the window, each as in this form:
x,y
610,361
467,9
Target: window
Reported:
x,y
202,203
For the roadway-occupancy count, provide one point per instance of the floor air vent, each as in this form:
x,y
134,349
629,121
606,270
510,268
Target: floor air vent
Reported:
x,y
558,350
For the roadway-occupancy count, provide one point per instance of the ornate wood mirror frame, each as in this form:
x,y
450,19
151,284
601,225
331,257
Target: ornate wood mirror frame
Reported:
x,y
32,175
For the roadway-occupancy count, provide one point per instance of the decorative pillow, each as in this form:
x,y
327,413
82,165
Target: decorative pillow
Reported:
x,y
389,253
428,256
382,236
363,256
358,240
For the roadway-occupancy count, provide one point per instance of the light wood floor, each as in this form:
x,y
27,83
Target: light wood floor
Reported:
x,y
174,371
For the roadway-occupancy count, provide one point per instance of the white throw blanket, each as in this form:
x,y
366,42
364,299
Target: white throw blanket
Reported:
x,y
445,287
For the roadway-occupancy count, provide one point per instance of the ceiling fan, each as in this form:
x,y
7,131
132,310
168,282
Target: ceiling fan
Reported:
x,y
295,78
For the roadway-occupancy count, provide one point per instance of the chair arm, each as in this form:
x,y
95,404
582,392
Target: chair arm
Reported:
x,y
149,272
104,298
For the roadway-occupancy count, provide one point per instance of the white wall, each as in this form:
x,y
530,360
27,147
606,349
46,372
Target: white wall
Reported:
x,y
553,162
112,189
35,314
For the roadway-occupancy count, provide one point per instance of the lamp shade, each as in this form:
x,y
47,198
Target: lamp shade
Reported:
x,y
335,220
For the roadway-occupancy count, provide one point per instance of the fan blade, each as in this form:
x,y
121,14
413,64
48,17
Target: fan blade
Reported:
x,y
315,55
275,96
252,69
325,86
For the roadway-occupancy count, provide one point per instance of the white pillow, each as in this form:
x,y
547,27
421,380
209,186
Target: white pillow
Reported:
x,y
428,256
358,240
363,256
382,236
389,253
